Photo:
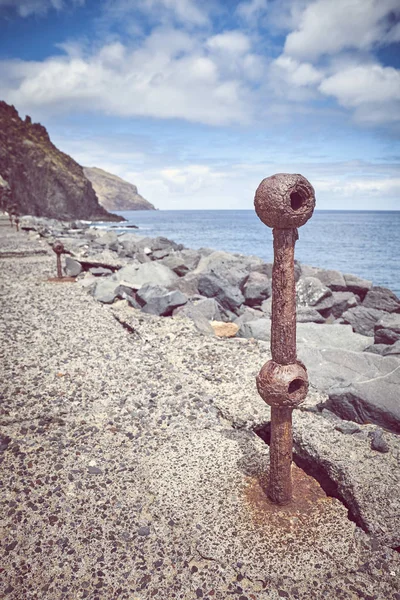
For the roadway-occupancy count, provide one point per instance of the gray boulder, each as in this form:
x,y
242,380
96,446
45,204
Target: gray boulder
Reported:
x,y
201,311
182,262
100,271
392,350
206,307
249,314
229,296
187,284
357,285
260,329
266,307
72,267
342,301
308,314
387,329
231,268
331,336
376,348
382,299
363,319
152,273
310,291
334,280
106,290
158,300
362,387
108,239
256,289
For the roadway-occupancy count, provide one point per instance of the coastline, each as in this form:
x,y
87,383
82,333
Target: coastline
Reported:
x,y
135,435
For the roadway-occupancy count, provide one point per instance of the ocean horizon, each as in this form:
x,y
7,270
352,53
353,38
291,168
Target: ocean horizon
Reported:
x,y
363,242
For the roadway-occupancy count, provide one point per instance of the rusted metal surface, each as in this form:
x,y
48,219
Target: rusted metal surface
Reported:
x,y
283,202
59,249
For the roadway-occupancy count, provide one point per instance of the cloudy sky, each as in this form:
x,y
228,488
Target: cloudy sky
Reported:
x,y
196,101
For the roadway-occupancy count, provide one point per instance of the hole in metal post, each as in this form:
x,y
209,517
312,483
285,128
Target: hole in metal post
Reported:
x,y
296,200
295,385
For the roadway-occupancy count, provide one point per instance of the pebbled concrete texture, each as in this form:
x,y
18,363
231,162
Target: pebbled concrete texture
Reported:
x,y
129,469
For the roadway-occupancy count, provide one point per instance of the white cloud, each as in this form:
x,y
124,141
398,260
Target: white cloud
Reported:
x,y
363,84
373,90
252,10
328,27
25,8
232,42
172,75
187,12
296,73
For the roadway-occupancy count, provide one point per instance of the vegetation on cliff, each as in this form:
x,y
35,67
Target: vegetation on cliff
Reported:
x,y
115,193
38,179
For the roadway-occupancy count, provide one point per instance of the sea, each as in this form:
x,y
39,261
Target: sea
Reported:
x,y
366,243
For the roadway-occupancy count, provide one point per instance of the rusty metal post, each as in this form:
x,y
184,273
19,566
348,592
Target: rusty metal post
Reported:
x,y
283,202
59,249
17,222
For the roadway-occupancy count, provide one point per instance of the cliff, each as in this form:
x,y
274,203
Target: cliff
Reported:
x,y
40,179
114,193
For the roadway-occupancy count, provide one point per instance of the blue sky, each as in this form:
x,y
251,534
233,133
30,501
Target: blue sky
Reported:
x,y
195,102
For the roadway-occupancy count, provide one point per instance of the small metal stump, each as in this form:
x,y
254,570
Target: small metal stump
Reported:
x,y
59,249
283,202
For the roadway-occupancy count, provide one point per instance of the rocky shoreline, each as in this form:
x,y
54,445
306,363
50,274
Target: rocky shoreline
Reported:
x,y
230,295
132,445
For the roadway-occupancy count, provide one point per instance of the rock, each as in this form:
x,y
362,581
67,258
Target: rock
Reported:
x,y
334,280
227,295
88,282
152,273
144,531
266,268
382,299
376,348
115,193
259,329
158,300
106,290
249,314
206,307
72,267
187,284
357,285
266,307
342,301
362,319
108,239
222,329
378,442
311,292
331,336
234,269
364,390
256,289
387,329
160,254
392,350
182,262
100,271
95,470
308,314
347,427
106,259
42,180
